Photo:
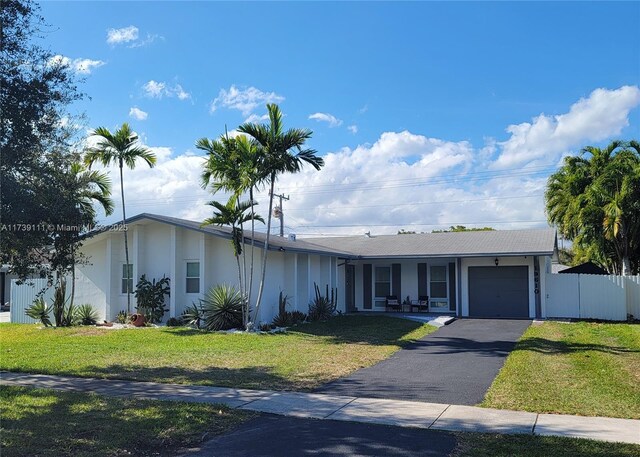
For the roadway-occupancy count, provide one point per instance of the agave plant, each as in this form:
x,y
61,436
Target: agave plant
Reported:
x,y
222,308
40,311
192,316
86,315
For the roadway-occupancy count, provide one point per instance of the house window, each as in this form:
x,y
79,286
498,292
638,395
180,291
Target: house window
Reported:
x,y
438,298
127,272
382,285
193,277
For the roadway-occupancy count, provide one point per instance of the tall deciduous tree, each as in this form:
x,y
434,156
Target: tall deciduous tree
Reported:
x,y
594,200
120,148
36,141
280,152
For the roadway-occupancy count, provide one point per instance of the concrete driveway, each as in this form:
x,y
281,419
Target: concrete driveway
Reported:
x,y
455,364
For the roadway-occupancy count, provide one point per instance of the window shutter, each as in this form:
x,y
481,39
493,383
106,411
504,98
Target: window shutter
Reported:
x,y
422,280
396,280
366,286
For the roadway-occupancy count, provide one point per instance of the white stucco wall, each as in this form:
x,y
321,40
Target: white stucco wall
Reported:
x,y
91,279
158,249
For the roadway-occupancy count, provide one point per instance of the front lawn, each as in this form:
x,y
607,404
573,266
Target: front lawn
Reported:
x,y
581,368
38,422
487,445
302,359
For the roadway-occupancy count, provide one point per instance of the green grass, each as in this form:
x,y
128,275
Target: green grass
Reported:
x,y
302,359
587,369
42,422
486,445
38,422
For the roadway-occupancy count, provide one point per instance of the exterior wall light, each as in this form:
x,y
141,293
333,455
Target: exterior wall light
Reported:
x,y
497,261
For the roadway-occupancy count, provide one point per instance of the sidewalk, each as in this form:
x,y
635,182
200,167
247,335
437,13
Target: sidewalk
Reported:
x,y
432,416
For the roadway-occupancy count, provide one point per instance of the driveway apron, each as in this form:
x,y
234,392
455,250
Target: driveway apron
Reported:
x,y
455,364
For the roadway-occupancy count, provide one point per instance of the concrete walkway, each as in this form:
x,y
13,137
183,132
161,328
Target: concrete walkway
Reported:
x,y
434,416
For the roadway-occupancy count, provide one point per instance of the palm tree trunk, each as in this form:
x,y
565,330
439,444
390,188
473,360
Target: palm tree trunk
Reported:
x,y
266,248
253,233
73,276
243,289
126,240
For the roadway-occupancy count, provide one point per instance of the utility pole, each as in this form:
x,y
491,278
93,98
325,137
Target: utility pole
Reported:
x,y
279,213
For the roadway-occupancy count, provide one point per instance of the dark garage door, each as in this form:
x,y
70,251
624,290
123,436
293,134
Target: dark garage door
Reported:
x,y
498,292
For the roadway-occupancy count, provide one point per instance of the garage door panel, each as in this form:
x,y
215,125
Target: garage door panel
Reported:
x,y
499,291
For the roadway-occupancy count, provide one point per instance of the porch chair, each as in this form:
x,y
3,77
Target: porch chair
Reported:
x,y
422,304
392,303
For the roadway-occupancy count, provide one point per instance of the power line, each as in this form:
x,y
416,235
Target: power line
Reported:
x,y
339,207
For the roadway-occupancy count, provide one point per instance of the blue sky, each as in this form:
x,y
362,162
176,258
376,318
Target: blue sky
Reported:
x,y
428,113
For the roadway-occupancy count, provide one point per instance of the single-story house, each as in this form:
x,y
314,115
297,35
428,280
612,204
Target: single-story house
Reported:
x,y
470,274
479,274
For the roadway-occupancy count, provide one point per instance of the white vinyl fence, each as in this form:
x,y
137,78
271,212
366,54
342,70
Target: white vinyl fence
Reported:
x,y
23,295
592,296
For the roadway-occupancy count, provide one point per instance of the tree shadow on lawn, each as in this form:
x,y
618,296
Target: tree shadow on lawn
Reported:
x,y
373,330
258,377
546,346
53,423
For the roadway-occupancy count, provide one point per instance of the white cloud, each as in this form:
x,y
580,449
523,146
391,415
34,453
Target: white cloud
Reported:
x,y
326,117
80,66
256,119
243,100
402,180
156,89
180,92
353,129
123,35
138,114
601,115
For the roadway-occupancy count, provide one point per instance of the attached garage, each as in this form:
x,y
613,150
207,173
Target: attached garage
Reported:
x,y
499,291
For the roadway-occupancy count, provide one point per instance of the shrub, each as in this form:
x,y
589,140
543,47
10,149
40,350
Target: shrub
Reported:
x,y
222,308
40,311
122,317
323,307
173,322
289,318
265,327
150,298
298,317
86,315
63,315
192,316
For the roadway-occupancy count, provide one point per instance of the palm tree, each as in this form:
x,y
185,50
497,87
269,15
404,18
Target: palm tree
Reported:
x,y
594,201
122,148
232,165
234,214
90,186
280,152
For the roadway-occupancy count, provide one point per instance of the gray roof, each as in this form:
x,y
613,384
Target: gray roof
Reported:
x,y
276,243
451,244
